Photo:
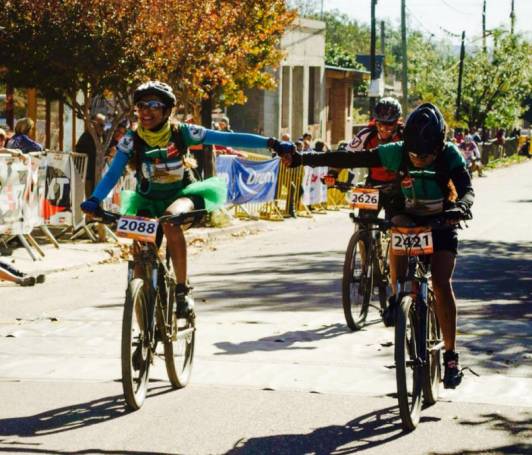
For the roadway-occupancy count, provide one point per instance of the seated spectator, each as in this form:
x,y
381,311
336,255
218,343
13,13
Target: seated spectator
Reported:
x,y
9,273
21,140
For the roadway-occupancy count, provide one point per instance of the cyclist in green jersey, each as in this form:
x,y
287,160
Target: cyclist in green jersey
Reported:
x,y
156,150
426,166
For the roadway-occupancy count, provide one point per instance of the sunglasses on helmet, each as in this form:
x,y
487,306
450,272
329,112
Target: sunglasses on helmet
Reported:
x,y
152,104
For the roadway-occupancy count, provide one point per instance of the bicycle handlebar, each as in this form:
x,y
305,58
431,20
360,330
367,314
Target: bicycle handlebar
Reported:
x,y
438,223
106,217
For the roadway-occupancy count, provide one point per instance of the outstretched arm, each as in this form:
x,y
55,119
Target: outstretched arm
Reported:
x,y
112,176
244,140
462,182
341,160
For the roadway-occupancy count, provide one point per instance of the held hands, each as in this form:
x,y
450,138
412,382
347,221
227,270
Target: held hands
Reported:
x,y
286,151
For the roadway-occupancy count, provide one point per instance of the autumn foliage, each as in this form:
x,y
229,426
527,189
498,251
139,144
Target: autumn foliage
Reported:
x,y
203,48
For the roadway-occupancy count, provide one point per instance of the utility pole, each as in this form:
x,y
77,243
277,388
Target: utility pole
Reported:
x,y
484,48
460,75
321,13
404,56
512,18
383,34
373,44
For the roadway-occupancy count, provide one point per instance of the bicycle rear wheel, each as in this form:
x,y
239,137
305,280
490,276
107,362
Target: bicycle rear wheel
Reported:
x,y
408,368
432,374
178,343
357,280
136,355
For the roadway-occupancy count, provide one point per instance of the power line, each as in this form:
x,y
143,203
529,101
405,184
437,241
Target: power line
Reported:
x,y
455,9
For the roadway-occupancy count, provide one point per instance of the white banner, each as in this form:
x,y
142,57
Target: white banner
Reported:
x,y
13,181
314,191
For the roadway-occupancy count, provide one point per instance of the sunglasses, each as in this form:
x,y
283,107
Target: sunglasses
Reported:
x,y
153,105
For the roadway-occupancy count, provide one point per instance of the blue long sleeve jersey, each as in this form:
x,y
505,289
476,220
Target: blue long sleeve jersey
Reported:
x,y
191,134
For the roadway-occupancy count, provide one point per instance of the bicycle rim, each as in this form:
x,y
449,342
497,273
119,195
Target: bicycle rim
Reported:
x,y
135,345
408,369
356,283
432,375
179,346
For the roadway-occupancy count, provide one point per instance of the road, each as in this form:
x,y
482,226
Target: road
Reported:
x,y
276,370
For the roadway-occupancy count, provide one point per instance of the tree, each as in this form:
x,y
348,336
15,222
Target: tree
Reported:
x,y
106,47
496,84
63,47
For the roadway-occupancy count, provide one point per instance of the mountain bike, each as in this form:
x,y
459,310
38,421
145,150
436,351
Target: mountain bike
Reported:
x,y
149,316
366,260
418,340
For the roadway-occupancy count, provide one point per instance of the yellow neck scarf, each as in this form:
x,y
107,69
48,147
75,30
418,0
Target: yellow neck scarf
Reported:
x,y
159,138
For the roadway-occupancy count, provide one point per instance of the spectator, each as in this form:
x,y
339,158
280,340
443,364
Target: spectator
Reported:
x,y
21,140
320,147
475,135
307,139
9,273
299,145
118,134
87,146
459,136
500,137
286,137
3,138
524,150
224,125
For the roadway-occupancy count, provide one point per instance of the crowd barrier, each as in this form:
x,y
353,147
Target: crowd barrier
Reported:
x,y
38,190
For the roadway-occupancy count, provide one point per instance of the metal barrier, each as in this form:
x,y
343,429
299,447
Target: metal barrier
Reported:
x,y
493,151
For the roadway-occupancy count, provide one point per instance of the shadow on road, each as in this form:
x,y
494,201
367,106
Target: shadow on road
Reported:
x,y
71,417
23,448
363,433
521,428
287,340
283,282
498,271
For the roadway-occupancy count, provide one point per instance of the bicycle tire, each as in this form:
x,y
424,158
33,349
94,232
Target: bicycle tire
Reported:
x,y
432,373
353,296
407,366
135,349
179,343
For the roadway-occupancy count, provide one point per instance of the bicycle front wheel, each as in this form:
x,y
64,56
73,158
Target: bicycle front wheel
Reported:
x,y
135,345
384,270
432,375
179,345
408,367
357,280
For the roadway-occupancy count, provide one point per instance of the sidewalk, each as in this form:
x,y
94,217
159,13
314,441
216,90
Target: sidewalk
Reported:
x,y
83,253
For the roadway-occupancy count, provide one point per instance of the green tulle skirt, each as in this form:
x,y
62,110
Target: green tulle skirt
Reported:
x,y
213,191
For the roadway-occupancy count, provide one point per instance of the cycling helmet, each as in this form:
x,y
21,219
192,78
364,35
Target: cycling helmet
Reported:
x,y
162,90
387,110
424,132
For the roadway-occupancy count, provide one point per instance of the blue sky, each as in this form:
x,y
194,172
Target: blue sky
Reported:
x,y
433,15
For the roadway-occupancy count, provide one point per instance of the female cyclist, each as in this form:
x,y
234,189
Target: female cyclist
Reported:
x,y
156,151
425,166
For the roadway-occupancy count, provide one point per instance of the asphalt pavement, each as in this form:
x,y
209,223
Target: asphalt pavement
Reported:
x,y
276,370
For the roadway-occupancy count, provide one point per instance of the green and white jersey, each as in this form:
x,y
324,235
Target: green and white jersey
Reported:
x,y
422,191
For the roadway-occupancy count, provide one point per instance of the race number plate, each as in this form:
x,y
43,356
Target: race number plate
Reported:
x,y
137,228
411,241
365,198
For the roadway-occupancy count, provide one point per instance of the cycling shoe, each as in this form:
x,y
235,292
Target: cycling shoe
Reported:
x,y
453,375
389,314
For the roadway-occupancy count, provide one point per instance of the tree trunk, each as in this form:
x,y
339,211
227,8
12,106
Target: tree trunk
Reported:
x,y
208,163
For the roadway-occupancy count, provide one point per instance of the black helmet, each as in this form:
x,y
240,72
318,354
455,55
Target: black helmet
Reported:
x,y
424,132
162,90
387,110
